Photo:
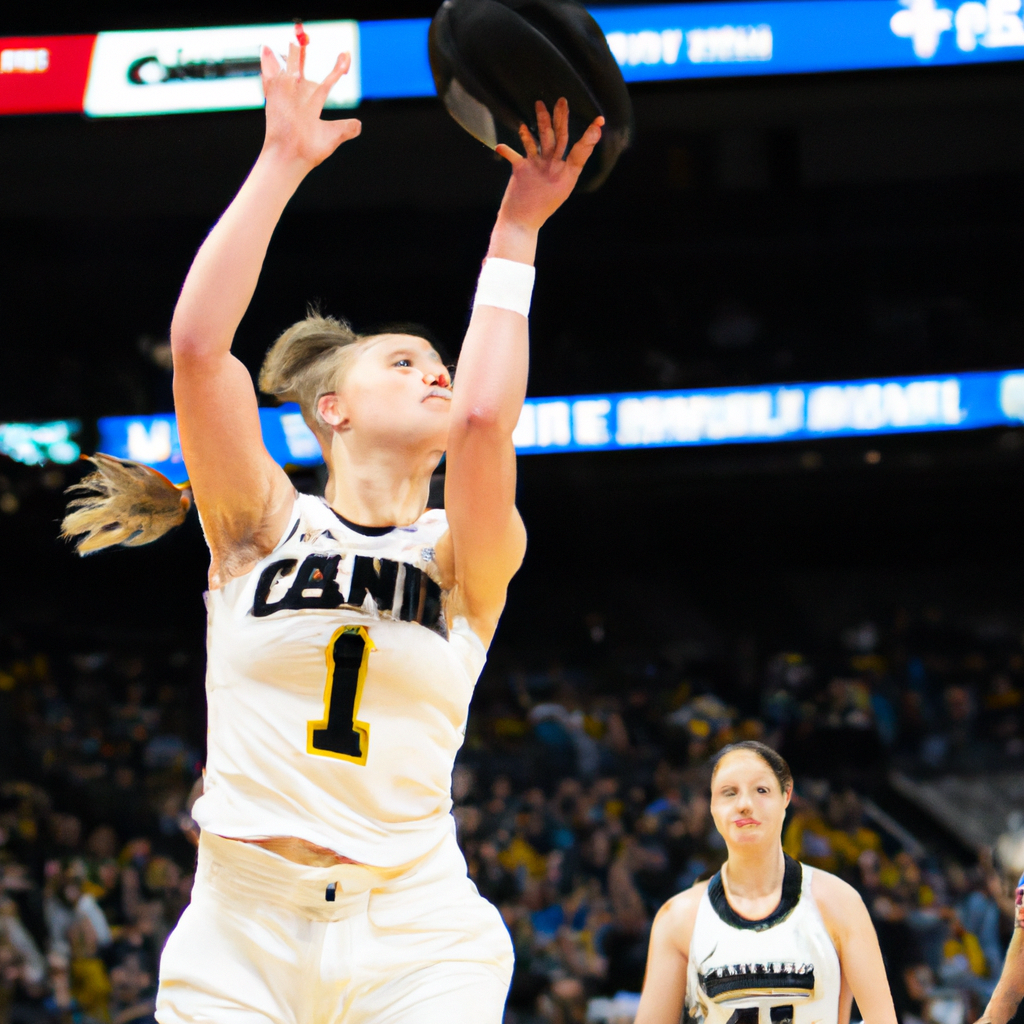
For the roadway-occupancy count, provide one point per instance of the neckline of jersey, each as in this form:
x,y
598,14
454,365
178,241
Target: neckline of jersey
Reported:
x,y
792,885
366,531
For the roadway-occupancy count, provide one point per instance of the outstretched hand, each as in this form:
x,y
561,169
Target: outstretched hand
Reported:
x,y
543,179
295,129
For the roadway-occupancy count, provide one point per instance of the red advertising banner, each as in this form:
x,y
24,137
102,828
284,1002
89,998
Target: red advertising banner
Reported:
x,y
44,74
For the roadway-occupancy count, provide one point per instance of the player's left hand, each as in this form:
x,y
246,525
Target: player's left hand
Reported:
x,y
543,179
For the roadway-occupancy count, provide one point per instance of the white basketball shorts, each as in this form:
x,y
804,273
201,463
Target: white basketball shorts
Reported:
x,y
263,941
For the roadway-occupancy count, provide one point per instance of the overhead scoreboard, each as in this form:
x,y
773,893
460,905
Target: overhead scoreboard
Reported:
x,y
119,74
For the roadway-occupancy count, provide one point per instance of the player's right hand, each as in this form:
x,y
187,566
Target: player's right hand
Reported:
x,y
295,130
543,179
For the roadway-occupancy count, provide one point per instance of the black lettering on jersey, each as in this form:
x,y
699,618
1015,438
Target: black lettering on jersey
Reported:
x,y
782,1014
421,598
316,586
267,579
379,583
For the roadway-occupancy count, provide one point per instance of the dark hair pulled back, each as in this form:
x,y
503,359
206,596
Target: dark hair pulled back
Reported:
x,y
772,758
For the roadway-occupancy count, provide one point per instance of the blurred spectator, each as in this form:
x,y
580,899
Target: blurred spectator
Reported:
x,y
133,995
580,802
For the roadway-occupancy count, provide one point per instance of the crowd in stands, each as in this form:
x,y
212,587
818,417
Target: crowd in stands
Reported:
x,y
581,798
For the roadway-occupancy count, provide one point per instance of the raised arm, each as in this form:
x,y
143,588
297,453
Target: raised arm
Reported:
x,y
242,494
486,531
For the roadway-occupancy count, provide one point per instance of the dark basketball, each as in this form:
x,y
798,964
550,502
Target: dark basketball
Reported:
x,y
493,59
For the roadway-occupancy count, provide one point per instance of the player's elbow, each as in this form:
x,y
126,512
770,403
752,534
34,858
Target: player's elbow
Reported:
x,y
186,342
483,419
191,346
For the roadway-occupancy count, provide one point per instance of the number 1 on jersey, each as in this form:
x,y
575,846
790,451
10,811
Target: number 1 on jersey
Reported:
x,y
339,734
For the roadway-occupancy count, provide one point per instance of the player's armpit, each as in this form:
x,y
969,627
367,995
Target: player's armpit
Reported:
x,y
478,590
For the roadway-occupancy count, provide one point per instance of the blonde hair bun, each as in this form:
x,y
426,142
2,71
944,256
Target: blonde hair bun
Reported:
x,y
303,364
123,503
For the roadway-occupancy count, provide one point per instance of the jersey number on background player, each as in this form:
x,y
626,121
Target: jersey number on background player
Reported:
x,y
752,1015
339,734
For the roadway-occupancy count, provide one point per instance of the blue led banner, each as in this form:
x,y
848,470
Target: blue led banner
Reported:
x,y
660,419
787,412
798,36
394,60
154,440
704,40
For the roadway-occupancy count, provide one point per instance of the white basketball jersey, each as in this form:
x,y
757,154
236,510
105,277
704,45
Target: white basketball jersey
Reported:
x,y
338,694
782,970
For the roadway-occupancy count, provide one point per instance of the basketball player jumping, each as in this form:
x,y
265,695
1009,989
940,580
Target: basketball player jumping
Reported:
x,y
345,635
767,940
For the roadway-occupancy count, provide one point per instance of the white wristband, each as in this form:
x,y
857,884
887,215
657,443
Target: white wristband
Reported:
x,y
505,284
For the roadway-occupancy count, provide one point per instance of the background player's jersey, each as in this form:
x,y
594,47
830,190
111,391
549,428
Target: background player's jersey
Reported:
x,y
783,970
338,694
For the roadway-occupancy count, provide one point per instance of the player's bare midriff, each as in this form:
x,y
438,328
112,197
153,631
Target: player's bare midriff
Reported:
x,y
300,851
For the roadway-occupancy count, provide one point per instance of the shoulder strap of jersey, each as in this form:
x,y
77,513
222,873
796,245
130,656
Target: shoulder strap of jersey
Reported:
x,y
293,522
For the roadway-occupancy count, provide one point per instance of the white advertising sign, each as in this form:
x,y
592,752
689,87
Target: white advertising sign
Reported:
x,y
179,70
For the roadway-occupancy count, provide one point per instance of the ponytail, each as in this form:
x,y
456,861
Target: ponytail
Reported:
x,y
130,504
122,503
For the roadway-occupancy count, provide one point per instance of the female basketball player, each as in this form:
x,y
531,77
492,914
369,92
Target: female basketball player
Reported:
x,y
345,635
767,940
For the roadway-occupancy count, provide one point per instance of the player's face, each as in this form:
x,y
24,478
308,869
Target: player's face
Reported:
x,y
397,392
747,803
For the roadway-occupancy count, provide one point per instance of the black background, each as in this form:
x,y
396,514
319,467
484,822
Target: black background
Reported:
x,y
794,228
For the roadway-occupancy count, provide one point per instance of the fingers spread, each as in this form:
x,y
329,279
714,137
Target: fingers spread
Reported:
x,y
561,127
294,59
545,132
341,66
509,154
580,153
529,144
